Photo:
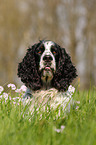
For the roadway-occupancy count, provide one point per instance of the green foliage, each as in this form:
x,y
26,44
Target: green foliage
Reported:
x,y
18,126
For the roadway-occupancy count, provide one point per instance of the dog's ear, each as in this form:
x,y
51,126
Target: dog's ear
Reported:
x,y
27,70
65,73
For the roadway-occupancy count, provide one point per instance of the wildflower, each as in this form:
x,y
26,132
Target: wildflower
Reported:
x,y
29,119
1,89
77,107
17,91
5,95
78,102
71,89
62,127
23,88
12,86
60,130
17,98
14,103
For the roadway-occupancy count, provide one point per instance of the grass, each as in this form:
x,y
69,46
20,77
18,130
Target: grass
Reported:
x,y
78,127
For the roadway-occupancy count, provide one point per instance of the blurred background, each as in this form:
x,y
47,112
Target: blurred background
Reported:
x,y
70,23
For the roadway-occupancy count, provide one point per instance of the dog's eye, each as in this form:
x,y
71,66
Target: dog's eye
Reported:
x,y
39,52
54,52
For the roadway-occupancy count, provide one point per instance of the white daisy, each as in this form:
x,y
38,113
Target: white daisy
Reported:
x,y
12,86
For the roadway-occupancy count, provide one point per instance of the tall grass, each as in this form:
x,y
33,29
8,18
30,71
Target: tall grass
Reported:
x,y
18,126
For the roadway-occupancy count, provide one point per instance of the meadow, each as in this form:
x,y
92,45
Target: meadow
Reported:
x,y
19,126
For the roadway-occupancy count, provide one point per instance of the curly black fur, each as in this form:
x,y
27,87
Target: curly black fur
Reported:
x,y
27,70
65,73
29,74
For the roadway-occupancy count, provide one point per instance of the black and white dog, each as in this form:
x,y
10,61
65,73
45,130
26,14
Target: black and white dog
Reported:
x,y
46,65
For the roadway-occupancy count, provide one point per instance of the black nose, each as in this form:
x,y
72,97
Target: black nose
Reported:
x,y
47,58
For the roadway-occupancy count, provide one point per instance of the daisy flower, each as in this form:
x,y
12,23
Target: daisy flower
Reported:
x,y
5,95
12,86
23,88
71,89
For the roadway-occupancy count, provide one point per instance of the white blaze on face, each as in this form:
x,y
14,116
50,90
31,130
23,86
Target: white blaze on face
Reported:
x,y
48,72
47,51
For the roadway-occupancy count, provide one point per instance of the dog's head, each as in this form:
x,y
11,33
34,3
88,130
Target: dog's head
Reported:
x,y
47,55
47,63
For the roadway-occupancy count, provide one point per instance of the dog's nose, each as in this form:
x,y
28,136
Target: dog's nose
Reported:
x,y
47,58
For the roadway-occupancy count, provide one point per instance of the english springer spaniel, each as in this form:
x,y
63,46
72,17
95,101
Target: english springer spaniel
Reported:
x,y
46,65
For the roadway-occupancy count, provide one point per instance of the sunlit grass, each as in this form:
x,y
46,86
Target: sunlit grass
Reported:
x,y
20,126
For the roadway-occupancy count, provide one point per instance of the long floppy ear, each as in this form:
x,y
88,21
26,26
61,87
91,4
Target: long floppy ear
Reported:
x,y
27,70
65,73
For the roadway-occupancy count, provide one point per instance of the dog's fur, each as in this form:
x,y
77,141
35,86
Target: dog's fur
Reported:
x,y
46,65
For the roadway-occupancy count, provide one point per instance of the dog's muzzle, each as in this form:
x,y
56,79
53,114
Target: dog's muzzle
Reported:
x,y
47,62
47,70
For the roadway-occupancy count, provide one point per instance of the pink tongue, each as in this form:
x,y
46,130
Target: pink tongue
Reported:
x,y
48,68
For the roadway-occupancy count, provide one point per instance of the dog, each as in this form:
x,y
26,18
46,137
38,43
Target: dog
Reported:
x,y
46,65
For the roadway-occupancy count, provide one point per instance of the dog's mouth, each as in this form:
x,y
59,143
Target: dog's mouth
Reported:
x,y
47,71
47,68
